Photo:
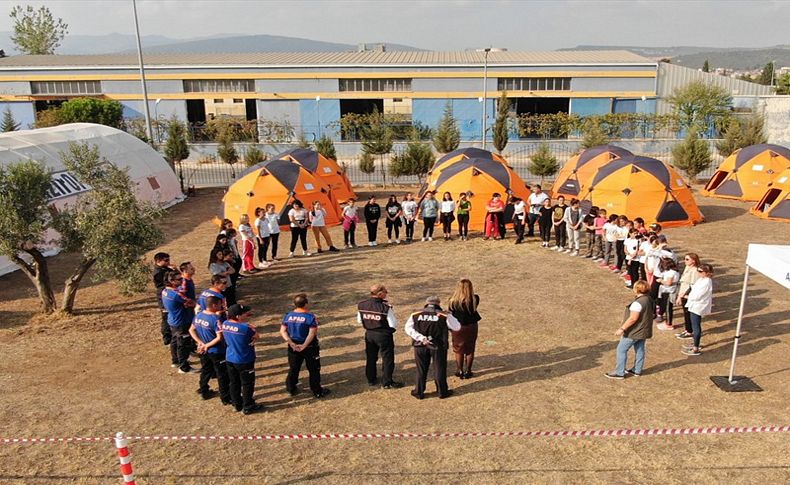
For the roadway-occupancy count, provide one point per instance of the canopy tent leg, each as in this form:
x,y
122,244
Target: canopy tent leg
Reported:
x,y
738,326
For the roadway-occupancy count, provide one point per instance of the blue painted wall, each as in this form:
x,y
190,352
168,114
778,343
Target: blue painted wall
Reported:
x,y
590,106
309,117
467,113
23,113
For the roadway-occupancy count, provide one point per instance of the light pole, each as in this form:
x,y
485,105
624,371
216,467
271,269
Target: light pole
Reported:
x,y
318,113
156,117
485,89
146,110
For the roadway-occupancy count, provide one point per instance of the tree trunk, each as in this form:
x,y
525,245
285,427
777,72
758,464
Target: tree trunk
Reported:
x,y
73,284
38,273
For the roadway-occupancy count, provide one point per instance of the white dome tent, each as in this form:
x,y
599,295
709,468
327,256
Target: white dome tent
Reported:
x,y
147,168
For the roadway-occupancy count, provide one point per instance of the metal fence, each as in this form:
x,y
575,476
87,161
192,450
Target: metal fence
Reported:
x,y
209,171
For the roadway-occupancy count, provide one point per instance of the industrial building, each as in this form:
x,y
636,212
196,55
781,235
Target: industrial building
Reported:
x,y
312,91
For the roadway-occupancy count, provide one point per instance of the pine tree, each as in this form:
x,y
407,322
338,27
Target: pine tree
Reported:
x,y
367,164
253,156
227,152
326,147
176,148
767,75
544,163
500,125
706,66
8,124
731,140
448,136
742,133
302,142
692,155
416,160
593,134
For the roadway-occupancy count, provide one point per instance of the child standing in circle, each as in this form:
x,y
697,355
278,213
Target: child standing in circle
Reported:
x,y
299,224
247,245
274,230
317,218
429,209
393,213
544,222
372,212
447,215
409,209
350,221
464,206
264,235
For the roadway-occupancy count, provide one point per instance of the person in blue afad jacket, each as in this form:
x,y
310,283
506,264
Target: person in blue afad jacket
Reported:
x,y
206,331
180,311
299,329
240,337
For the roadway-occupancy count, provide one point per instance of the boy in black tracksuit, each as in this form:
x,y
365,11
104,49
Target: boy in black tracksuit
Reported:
x,y
372,214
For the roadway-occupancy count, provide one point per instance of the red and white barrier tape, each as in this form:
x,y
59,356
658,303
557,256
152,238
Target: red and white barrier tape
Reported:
x,y
474,434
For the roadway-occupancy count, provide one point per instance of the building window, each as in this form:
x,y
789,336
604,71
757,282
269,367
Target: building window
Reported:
x,y
392,85
219,101
534,84
237,100
65,87
219,86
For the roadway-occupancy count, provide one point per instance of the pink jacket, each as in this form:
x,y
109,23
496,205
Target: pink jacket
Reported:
x,y
347,221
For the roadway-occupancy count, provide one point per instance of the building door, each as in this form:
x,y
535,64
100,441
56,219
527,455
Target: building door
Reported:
x,y
196,111
251,109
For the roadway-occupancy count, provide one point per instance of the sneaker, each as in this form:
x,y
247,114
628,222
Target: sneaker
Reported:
x,y
291,255
389,241
612,375
397,241
555,248
208,394
174,366
253,409
691,352
423,239
189,370
319,251
333,249
371,244
430,239
684,335
631,372
597,260
307,253
603,265
588,256
375,243
664,326
567,250
575,253
392,385
293,392
372,383
614,269
346,246
323,393
689,347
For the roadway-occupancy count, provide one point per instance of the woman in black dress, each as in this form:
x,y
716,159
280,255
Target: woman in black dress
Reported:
x,y
463,306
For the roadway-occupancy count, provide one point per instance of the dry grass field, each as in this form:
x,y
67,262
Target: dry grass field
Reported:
x,y
546,338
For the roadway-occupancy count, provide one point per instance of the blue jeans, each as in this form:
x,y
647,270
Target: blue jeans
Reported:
x,y
696,327
622,355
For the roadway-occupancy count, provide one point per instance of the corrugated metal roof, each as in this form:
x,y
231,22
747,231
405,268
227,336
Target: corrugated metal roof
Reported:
x,y
297,59
671,77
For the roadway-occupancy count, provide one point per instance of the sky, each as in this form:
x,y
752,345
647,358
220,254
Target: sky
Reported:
x,y
444,24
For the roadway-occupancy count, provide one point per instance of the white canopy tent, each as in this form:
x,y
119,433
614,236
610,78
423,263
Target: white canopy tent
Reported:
x,y
154,179
774,262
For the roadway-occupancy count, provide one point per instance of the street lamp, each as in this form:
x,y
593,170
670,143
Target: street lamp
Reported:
x,y
318,113
146,111
485,88
156,118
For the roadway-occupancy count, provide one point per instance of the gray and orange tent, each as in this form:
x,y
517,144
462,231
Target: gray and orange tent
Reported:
x,y
581,168
479,178
324,168
277,182
455,156
775,203
642,187
746,173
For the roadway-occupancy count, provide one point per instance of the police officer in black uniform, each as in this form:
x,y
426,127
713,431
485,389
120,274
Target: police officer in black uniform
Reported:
x,y
162,269
378,318
429,331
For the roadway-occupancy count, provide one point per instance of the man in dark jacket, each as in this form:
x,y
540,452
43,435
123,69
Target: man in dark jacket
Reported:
x,y
378,318
428,329
161,270
634,332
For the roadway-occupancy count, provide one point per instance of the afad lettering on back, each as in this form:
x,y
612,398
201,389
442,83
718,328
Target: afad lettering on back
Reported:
x,y
371,316
64,184
230,328
428,318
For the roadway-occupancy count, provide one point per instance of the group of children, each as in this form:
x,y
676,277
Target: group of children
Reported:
x,y
220,333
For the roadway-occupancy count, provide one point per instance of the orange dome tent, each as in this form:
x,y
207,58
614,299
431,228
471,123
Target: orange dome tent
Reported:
x,y
324,168
643,187
480,178
746,173
775,204
463,154
277,182
580,169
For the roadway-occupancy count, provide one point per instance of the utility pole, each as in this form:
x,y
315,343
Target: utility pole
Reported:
x,y
146,110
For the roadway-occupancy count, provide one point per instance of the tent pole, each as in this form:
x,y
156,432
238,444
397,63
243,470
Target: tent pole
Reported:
x,y
738,326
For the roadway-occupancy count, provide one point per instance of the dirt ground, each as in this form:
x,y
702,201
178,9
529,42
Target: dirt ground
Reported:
x,y
546,337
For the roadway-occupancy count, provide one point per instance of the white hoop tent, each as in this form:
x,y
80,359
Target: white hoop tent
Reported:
x,y
150,172
774,262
